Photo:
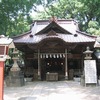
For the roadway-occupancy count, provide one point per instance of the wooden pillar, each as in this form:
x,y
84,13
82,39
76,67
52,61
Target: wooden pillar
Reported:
x,y
1,79
66,65
39,68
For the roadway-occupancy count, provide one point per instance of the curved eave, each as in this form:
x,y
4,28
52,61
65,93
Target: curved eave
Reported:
x,y
66,38
21,35
85,34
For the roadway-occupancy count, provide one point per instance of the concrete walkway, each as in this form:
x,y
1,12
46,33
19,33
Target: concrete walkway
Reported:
x,y
60,90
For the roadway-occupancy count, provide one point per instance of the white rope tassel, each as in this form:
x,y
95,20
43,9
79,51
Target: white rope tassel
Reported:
x,y
57,55
41,56
60,55
50,56
54,56
63,55
46,55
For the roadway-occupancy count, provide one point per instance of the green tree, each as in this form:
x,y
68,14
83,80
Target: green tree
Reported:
x,y
90,11
10,11
93,28
19,26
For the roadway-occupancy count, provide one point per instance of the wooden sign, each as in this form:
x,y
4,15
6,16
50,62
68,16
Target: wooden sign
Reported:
x,y
2,50
90,71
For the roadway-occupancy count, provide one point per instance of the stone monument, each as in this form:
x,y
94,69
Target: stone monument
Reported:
x,y
15,77
90,72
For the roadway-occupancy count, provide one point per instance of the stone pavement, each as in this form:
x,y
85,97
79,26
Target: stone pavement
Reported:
x,y
60,90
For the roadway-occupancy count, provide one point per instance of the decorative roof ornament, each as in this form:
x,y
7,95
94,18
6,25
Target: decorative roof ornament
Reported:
x,y
53,18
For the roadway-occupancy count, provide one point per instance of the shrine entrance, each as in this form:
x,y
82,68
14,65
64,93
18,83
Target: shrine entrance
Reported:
x,y
53,65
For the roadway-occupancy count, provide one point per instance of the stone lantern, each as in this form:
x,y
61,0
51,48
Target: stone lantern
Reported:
x,y
88,53
15,58
15,77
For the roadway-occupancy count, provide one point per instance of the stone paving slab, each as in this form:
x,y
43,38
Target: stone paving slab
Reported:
x,y
59,90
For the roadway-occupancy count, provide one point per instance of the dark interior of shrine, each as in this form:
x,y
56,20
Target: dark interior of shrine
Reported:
x,y
54,64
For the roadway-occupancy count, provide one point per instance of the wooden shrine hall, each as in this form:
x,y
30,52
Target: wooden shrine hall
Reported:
x,y
53,49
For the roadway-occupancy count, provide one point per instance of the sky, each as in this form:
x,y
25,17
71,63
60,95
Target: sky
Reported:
x,y
39,8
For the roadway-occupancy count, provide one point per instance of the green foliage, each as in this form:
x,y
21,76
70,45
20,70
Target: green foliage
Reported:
x,y
19,26
10,10
93,28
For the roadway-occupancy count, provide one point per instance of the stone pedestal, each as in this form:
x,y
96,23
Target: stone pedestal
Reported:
x,y
15,79
82,80
52,76
71,74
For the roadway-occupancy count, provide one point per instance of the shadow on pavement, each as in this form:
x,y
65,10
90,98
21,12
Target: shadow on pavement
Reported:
x,y
27,98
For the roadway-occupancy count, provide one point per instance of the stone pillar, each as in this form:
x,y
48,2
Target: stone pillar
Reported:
x,y
66,65
39,68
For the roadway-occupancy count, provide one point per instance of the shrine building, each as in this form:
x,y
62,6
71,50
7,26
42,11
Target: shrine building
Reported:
x,y
54,46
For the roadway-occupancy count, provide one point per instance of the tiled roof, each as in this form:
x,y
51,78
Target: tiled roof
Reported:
x,y
69,27
66,38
